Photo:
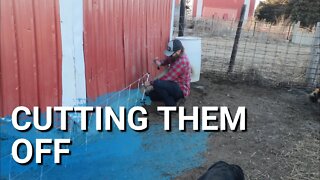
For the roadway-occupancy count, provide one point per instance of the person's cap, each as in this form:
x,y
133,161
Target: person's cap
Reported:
x,y
173,46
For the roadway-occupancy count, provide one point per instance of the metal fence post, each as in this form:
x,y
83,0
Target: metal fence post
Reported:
x,y
236,40
313,72
182,19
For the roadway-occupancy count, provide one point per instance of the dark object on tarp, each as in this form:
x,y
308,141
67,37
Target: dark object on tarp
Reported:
x,y
223,171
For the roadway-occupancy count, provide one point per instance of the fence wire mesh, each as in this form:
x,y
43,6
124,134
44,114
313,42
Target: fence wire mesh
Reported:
x,y
275,55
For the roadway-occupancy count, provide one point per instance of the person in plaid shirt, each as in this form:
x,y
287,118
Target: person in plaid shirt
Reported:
x,y
175,84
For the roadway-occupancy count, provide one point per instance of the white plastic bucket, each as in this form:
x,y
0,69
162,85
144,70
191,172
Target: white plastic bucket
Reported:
x,y
192,46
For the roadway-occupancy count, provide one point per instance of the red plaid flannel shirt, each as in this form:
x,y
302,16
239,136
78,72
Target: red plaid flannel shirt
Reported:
x,y
179,72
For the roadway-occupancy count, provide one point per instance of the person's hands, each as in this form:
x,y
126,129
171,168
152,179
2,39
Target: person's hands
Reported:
x,y
148,86
157,61
147,83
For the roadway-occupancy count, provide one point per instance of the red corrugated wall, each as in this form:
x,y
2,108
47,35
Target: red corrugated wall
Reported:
x,y
30,64
251,8
121,38
223,4
194,8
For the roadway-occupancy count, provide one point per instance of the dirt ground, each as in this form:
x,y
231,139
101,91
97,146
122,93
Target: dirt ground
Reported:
x,y
282,140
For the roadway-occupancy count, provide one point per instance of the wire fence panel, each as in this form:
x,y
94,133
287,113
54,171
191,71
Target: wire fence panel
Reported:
x,y
276,55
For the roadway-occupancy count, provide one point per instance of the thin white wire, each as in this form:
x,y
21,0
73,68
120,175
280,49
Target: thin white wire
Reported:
x,y
127,106
137,93
144,90
5,156
10,163
118,104
138,80
41,172
47,171
118,93
22,172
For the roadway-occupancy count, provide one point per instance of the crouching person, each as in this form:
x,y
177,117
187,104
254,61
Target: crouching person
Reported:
x,y
174,85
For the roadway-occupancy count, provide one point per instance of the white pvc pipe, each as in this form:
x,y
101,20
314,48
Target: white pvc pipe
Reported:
x,y
172,19
246,14
199,8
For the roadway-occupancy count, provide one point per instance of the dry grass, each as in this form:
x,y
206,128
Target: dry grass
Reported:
x,y
281,63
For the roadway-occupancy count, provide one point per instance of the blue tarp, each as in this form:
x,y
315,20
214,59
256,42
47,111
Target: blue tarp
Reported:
x,y
152,154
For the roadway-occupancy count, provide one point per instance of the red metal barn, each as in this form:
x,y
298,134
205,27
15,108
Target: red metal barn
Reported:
x,y
30,48
222,9
120,40
115,41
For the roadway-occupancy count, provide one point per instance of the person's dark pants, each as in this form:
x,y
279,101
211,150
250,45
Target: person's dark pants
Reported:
x,y
168,92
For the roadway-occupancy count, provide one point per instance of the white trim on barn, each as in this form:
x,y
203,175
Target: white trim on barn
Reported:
x,y
199,8
172,19
73,69
246,14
